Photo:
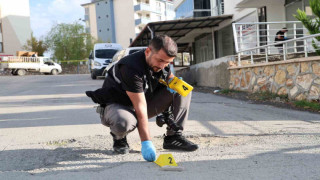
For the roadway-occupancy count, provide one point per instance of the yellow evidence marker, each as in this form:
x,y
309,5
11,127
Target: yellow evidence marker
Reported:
x,y
166,160
167,163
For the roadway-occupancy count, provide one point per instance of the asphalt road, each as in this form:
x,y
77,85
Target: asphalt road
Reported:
x,y
49,130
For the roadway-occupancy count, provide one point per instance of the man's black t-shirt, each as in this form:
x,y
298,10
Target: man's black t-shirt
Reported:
x,y
131,73
137,82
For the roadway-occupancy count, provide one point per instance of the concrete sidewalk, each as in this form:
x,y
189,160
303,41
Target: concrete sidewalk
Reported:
x,y
53,132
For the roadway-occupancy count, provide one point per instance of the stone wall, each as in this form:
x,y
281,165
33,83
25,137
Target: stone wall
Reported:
x,y
297,78
75,69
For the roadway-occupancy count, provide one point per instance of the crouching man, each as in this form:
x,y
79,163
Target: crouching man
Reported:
x,y
131,94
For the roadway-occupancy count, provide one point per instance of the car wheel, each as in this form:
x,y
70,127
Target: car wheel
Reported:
x,y
93,75
21,72
14,72
54,72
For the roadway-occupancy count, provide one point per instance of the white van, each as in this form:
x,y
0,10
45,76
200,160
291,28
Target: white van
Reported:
x,y
101,56
119,55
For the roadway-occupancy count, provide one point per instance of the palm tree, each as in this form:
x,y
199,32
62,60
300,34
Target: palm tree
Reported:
x,y
313,25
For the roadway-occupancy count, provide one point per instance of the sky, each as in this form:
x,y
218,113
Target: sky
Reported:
x,y
45,13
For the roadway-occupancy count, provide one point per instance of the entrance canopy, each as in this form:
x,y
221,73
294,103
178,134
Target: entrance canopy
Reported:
x,y
183,31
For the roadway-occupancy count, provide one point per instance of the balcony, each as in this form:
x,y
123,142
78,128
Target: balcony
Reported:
x,y
145,8
142,21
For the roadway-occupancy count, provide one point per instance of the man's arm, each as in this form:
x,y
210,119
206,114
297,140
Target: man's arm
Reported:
x,y
140,105
171,76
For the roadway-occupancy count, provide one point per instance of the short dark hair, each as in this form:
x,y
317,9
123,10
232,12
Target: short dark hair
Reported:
x,y
166,43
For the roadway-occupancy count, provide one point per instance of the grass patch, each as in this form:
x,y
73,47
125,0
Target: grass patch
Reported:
x,y
263,96
308,105
228,91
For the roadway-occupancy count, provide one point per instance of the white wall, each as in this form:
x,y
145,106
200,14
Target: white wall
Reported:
x,y
93,21
124,21
230,8
16,29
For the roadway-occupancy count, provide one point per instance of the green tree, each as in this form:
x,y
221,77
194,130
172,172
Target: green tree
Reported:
x,y
69,41
35,45
313,25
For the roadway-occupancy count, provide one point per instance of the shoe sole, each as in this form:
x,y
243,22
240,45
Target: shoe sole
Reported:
x,y
124,151
179,148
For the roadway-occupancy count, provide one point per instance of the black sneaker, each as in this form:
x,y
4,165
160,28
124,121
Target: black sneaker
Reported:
x,y
120,146
178,142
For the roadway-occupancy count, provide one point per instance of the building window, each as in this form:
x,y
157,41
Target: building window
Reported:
x,y
158,6
99,30
108,29
98,4
148,15
106,2
107,15
99,17
1,47
202,4
86,11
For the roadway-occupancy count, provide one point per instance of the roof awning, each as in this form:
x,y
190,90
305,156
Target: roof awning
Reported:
x,y
182,31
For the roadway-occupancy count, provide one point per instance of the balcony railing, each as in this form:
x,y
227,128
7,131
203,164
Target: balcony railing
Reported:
x,y
142,21
250,35
142,7
284,50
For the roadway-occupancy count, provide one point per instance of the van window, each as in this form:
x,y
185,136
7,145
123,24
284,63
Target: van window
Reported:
x,y
105,53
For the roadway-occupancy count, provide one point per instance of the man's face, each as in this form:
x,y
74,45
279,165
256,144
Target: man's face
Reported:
x,y
157,60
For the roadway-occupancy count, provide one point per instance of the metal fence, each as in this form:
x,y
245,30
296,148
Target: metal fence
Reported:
x,y
250,35
284,49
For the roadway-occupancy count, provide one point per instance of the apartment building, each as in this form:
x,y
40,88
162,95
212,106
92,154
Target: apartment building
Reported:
x,y
120,21
15,27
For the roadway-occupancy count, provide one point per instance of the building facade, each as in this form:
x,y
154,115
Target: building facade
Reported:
x,y
272,14
99,19
120,21
210,45
198,8
15,27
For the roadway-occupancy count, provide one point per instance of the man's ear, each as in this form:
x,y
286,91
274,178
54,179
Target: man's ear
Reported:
x,y
147,51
